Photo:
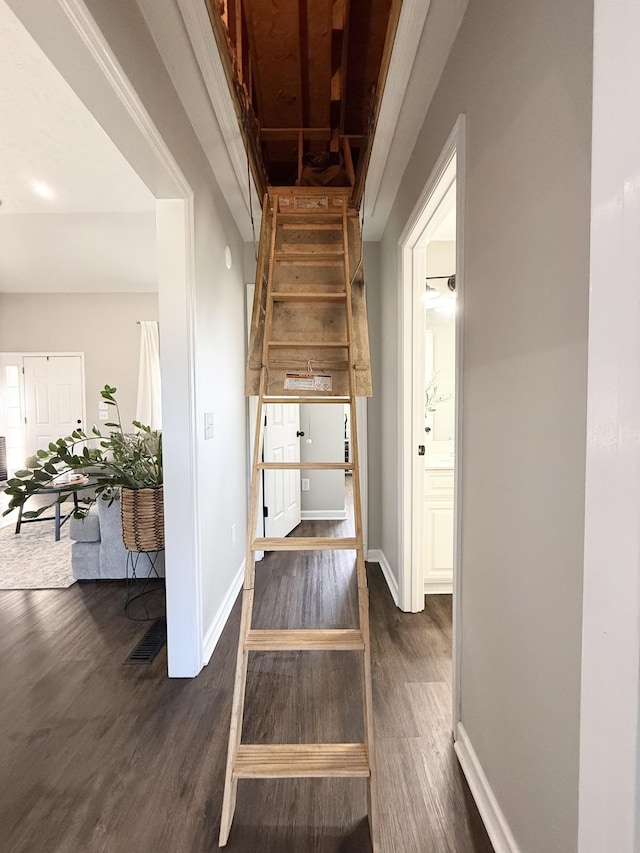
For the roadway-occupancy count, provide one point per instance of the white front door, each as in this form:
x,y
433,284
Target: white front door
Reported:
x,y
53,398
281,488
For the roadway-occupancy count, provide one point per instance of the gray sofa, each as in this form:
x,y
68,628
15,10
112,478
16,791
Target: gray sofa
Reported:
x,y
97,552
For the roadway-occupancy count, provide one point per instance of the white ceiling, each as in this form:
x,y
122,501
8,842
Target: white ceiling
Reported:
x,y
97,230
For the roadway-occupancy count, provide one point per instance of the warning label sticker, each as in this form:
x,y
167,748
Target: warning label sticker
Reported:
x,y
308,382
311,202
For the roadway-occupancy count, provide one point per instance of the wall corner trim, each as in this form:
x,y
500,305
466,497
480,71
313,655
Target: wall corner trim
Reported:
x,y
220,619
494,820
377,556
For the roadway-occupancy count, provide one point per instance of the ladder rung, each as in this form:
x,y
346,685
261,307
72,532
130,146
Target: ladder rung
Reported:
x,y
305,543
291,296
338,640
291,286
316,257
305,400
305,466
299,248
313,214
312,226
295,760
309,344
311,261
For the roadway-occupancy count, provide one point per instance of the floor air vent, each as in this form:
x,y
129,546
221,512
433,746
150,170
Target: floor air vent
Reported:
x,y
149,646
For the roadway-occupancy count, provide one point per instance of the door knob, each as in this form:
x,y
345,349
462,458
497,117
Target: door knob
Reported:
x,y
79,421
300,433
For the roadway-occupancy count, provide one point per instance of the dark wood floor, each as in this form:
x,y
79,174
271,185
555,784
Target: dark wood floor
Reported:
x,y
100,757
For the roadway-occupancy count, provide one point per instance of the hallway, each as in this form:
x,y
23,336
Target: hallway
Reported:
x,y
102,757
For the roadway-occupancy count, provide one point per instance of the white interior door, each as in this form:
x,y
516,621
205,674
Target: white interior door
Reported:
x,y
54,398
281,488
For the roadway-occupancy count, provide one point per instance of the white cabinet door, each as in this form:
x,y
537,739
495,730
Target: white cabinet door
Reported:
x,y
53,398
281,488
438,531
439,543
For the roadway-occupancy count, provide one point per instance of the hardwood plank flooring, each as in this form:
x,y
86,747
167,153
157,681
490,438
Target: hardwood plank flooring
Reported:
x,y
100,757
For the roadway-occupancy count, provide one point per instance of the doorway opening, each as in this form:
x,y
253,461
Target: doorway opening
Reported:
x,y
431,303
168,224
436,252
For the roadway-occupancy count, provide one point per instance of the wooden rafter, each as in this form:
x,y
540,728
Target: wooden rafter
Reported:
x,y
303,26
289,62
270,134
242,97
339,14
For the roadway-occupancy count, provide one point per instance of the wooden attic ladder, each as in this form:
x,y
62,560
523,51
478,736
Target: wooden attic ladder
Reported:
x,y
309,318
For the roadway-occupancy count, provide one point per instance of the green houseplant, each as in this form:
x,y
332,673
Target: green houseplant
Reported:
x,y
131,463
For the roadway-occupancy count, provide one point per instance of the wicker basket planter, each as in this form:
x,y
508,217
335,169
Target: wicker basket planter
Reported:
x,y
142,516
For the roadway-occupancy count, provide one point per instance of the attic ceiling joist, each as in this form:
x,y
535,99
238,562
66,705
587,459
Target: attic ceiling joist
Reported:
x,y
289,76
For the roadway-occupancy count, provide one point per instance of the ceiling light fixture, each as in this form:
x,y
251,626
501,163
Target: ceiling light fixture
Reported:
x,y
43,190
432,294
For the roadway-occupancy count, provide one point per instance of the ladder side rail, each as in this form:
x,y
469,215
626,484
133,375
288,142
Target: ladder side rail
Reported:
x,y
369,739
268,318
237,715
252,521
363,591
240,685
250,563
357,499
260,265
242,660
249,574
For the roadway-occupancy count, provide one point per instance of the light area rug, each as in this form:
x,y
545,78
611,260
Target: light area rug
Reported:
x,y
32,559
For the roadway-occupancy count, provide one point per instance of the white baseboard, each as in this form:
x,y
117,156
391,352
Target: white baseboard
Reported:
x,y
324,514
377,556
494,820
438,588
220,620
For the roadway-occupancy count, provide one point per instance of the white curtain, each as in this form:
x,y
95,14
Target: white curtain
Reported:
x,y
149,405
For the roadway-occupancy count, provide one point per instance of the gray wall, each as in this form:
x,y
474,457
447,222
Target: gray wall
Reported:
x,y
101,325
521,72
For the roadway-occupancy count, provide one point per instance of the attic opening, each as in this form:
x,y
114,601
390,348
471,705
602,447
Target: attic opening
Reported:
x,y
306,77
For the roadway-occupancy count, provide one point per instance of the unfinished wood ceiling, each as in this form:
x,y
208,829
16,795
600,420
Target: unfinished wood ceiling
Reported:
x,y
307,76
